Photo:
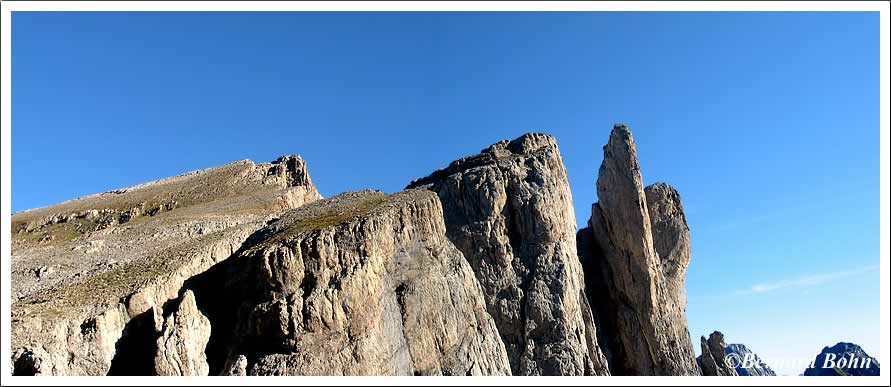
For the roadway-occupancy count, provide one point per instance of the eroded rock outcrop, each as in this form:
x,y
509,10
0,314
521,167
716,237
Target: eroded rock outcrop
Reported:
x,y
509,210
363,283
119,257
713,359
184,337
635,251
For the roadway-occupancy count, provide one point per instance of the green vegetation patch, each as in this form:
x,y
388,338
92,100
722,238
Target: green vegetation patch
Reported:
x,y
55,233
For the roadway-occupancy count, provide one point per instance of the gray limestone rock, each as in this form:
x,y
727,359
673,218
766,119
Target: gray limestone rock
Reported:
x,y
509,210
363,283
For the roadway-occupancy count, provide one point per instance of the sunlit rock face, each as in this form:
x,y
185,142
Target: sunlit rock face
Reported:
x,y
635,251
509,210
363,283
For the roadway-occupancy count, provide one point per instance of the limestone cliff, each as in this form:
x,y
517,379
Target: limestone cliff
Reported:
x,y
363,283
509,210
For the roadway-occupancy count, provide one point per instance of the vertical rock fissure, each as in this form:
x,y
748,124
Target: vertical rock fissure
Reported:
x,y
399,295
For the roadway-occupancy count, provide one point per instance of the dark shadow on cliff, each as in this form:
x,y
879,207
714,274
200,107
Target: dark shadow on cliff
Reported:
x,y
219,294
603,308
135,350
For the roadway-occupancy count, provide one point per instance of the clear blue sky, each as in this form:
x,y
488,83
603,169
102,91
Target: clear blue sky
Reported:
x,y
768,125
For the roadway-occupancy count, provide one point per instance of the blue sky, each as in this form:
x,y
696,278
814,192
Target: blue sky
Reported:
x,y
767,124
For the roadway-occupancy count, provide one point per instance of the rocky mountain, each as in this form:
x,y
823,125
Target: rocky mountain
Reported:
x,y
843,359
635,252
757,368
244,269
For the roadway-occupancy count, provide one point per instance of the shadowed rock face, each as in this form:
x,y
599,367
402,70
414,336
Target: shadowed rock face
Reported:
x,y
363,283
635,252
713,358
509,210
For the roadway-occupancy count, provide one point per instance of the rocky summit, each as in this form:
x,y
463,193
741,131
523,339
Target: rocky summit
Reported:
x,y
244,269
635,252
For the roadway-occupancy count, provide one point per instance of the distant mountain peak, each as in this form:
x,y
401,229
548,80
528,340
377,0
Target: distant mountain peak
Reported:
x,y
843,359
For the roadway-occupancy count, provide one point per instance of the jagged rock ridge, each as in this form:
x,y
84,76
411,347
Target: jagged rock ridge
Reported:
x,y
473,270
509,210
